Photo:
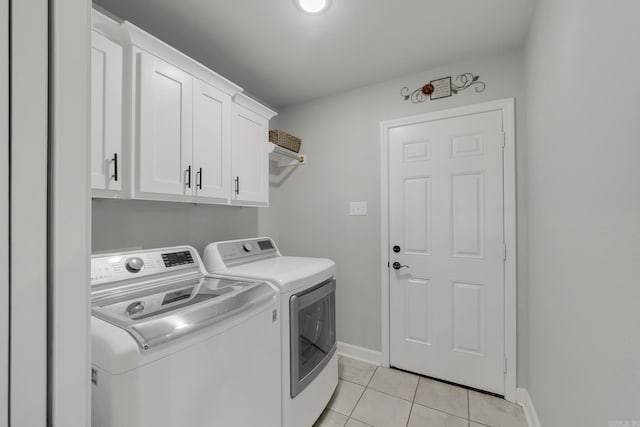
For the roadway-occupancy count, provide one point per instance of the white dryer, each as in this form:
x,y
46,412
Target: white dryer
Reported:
x,y
171,347
307,293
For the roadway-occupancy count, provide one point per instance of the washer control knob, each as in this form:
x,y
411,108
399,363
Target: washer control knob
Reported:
x,y
134,264
248,247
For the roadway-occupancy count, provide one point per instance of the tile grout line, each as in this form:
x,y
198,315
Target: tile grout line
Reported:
x,y
362,394
410,401
440,409
386,393
413,402
468,409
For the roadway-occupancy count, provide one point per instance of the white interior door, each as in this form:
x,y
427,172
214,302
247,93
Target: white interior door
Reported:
x,y
106,113
446,218
211,141
165,127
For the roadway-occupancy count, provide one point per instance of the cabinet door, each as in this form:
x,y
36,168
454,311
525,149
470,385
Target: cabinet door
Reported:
x,y
165,128
211,141
106,113
250,157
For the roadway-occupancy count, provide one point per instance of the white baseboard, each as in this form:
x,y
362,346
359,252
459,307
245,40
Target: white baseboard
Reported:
x,y
359,353
523,399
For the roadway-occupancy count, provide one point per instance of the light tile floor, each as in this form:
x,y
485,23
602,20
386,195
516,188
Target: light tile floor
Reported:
x,y
373,396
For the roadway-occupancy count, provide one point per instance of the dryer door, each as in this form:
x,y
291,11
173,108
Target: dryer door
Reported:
x,y
313,333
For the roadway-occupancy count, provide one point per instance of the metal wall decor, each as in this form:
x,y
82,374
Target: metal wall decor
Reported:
x,y
443,88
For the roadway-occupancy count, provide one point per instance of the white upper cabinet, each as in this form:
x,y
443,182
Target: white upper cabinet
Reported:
x,y
184,135
211,141
165,115
106,116
189,134
250,152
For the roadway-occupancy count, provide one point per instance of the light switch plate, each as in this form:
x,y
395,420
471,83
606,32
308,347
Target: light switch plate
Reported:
x,y
357,208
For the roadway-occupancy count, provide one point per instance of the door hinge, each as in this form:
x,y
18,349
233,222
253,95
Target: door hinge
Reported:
x,y
503,140
505,365
504,255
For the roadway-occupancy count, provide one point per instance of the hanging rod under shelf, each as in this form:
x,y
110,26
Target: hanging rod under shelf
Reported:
x,y
286,157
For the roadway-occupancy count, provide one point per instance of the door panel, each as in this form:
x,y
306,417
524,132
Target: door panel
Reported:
x,y
106,112
165,128
250,156
446,214
211,141
418,323
417,193
468,317
467,219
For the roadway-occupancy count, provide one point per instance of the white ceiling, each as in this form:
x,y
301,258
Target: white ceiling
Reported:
x,y
283,56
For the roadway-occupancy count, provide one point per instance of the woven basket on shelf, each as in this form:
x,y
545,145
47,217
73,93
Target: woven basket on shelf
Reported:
x,y
285,140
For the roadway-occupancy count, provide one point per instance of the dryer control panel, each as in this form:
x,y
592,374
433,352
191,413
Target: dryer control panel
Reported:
x,y
249,250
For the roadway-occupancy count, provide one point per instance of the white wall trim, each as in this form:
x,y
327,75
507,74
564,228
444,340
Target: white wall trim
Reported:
x,y
524,400
359,353
384,240
510,238
507,106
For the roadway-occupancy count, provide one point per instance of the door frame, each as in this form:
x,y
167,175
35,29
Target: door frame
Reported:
x,y
507,107
69,222
28,181
4,213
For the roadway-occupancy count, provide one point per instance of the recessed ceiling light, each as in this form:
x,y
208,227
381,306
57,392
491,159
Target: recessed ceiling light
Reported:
x,y
313,6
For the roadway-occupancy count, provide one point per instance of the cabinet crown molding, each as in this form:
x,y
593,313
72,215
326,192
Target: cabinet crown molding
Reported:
x,y
108,26
253,105
128,34
143,40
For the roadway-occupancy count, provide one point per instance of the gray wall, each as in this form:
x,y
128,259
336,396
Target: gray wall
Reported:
x,y
122,224
341,136
583,63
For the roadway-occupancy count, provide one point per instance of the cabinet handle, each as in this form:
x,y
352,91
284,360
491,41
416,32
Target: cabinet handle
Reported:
x,y
199,179
188,180
115,166
237,180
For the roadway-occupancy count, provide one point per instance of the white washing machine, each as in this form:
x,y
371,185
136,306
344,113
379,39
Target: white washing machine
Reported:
x,y
171,347
307,293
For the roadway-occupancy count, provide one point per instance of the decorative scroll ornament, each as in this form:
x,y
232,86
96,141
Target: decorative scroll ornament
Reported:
x,y
443,88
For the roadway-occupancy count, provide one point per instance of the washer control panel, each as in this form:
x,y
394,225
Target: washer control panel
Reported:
x,y
246,250
130,265
134,264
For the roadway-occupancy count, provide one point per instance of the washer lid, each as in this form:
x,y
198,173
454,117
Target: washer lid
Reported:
x,y
286,272
158,315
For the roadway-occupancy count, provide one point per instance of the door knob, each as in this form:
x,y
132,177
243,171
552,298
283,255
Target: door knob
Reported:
x,y
397,266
